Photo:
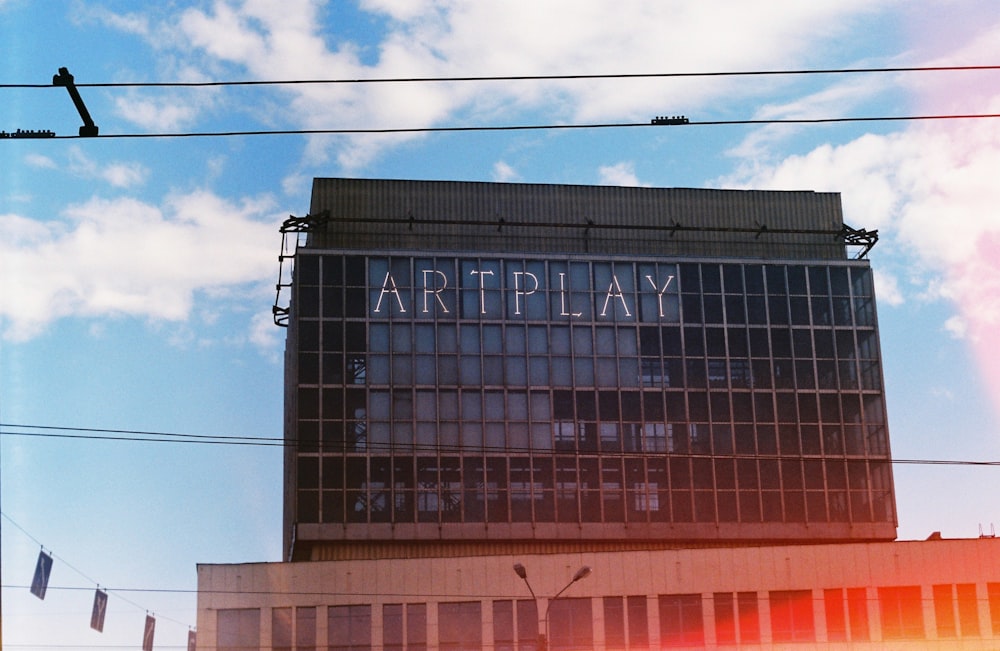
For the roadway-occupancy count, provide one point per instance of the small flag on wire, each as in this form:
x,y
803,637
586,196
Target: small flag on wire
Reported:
x,y
100,608
192,637
40,582
147,634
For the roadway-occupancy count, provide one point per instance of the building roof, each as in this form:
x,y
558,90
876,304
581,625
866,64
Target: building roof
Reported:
x,y
545,218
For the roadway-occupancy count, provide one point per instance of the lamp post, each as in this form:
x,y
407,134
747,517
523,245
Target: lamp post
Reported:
x,y
543,634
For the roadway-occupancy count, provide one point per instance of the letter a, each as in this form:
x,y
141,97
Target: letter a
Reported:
x,y
615,291
389,287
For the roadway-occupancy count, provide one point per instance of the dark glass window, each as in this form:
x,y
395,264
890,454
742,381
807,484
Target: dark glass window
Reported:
x,y
460,626
725,618
281,629
792,616
570,624
901,611
746,606
349,628
503,625
238,629
681,622
638,622
614,623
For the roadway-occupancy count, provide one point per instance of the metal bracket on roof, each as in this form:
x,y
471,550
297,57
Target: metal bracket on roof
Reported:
x,y
304,224
89,129
862,237
761,229
296,226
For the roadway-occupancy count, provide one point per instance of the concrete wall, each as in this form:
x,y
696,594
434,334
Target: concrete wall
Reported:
x,y
759,570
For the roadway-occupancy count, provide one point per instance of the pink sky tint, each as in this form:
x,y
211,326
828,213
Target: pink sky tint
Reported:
x,y
964,195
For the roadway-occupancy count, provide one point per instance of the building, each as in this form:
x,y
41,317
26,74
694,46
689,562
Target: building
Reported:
x,y
679,389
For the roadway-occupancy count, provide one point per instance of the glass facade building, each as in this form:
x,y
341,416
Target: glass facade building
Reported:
x,y
448,381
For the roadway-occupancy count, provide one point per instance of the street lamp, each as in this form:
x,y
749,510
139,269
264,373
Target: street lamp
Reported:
x,y
543,634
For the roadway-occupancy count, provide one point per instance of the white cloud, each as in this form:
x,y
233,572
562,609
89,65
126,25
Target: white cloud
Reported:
x,y
38,161
160,114
119,175
125,256
929,189
265,335
956,327
887,289
504,173
267,40
619,174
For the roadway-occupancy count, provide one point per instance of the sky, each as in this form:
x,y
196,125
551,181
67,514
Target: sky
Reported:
x,y
137,275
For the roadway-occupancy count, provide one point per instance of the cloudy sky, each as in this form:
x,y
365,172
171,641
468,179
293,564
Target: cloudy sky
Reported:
x,y
137,273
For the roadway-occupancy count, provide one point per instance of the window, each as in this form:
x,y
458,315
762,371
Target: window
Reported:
x,y
239,629
281,629
836,621
570,624
857,613
614,623
850,624
901,611
527,625
392,627
681,620
305,629
968,609
416,627
460,626
654,437
349,628
944,611
993,594
645,497
792,616
725,620
638,623
503,625
749,619
565,432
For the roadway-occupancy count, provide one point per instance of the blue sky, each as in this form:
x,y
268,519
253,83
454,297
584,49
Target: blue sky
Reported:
x,y
137,275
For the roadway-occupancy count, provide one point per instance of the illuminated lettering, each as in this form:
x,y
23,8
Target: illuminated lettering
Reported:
x,y
615,291
512,289
389,287
518,292
660,291
435,292
482,287
563,307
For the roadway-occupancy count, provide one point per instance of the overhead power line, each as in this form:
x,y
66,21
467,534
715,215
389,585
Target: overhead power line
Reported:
x,y
532,127
88,433
507,78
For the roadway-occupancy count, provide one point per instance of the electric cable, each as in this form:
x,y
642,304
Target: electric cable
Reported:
x,y
522,127
387,448
508,78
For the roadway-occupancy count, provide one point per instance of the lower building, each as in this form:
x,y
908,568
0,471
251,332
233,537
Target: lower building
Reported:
x,y
934,594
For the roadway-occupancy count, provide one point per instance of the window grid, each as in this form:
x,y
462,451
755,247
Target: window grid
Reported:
x,y
409,416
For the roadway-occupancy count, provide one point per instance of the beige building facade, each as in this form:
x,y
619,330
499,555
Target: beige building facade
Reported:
x,y
940,594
